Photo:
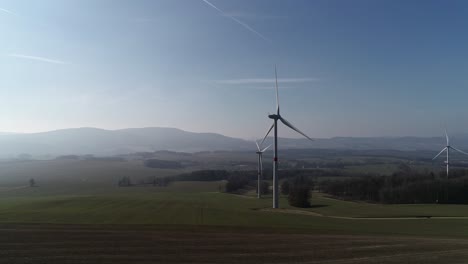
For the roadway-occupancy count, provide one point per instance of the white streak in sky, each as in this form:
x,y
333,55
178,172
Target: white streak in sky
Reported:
x,y
36,58
237,21
266,80
252,16
7,11
272,87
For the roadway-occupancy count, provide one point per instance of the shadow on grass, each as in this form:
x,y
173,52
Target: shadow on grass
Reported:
x,y
318,205
310,207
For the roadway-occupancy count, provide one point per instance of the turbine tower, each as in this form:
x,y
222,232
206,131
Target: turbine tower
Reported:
x,y
447,148
260,167
275,118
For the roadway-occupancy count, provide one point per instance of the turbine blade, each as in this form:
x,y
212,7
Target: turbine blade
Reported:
x,y
294,128
439,153
269,130
266,148
463,152
447,137
258,147
277,97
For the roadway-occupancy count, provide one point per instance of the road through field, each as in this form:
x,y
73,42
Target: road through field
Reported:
x,y
303,212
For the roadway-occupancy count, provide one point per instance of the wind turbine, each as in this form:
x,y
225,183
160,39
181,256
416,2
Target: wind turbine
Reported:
x,y
275,118
260,167
447,148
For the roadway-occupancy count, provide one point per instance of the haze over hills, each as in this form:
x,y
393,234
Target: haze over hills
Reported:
x,y
101,142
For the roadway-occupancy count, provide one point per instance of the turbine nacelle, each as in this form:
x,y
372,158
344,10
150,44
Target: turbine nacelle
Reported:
x,y
259,150
274,117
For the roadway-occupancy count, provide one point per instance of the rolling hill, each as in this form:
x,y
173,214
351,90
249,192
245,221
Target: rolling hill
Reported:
x,y
101,142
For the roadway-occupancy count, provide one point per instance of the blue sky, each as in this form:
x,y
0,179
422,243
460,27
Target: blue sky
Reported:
x,y
346,68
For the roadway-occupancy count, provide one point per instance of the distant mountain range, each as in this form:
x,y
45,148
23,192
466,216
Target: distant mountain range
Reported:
x,y
100,142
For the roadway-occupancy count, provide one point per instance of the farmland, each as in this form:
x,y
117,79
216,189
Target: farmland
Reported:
x,y
78,212
143,244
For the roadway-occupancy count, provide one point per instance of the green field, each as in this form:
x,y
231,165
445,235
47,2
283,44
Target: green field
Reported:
x,y
85,192
204,205
65,202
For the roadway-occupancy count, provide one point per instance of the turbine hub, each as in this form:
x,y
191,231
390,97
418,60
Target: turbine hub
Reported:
x,y
274,116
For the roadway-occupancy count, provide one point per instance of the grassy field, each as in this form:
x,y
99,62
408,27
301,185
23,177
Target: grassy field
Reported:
x,y
333,207
69,220
55,177
177,206
383,169
174,226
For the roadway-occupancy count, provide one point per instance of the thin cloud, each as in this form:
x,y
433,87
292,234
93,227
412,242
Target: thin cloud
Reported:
x,y
266,80
252,15
36,58
273,87
7,11
245,25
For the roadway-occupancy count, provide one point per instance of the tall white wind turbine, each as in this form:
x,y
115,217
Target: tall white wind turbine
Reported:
x,y
275,118
447,148
260,168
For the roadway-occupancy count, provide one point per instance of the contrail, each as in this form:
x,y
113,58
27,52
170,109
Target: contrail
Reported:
x,y
22,56
266,80
7,11
237,21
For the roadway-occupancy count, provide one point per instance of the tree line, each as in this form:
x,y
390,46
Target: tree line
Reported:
x,y
404,186
296,184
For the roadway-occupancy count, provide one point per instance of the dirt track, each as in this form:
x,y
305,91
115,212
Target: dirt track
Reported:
x,y
303,212
85,244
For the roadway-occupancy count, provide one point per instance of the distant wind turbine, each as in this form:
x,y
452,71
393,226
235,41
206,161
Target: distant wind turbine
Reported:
x,y
447,148
260,167
275,118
